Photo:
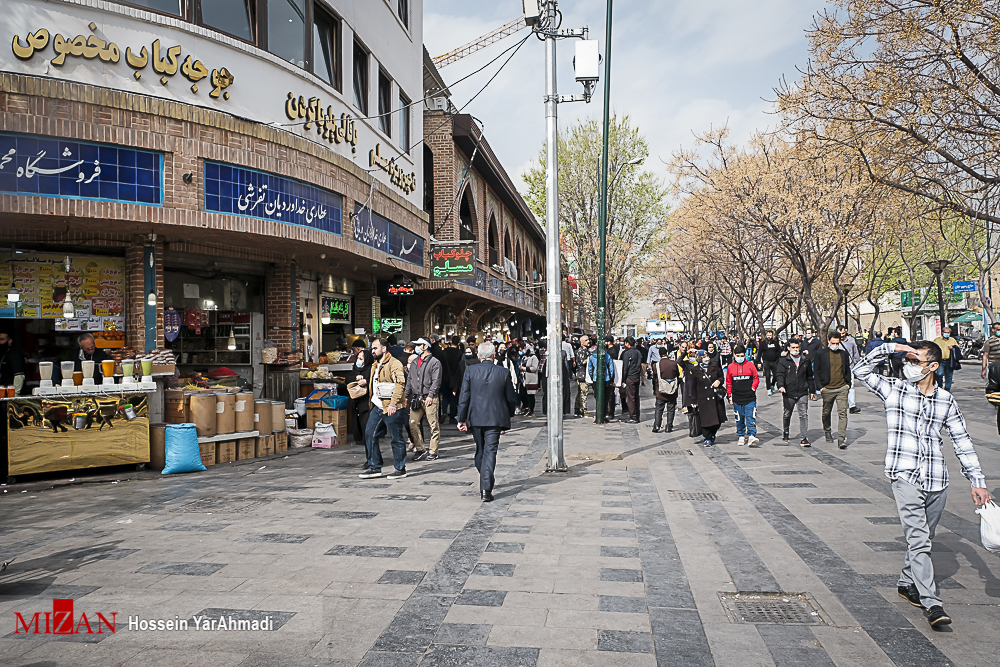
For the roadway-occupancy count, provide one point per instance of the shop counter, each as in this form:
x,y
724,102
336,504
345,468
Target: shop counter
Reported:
x,y
71,431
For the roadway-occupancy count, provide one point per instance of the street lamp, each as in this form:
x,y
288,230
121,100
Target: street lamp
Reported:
x,y
791,304
846,288
937,266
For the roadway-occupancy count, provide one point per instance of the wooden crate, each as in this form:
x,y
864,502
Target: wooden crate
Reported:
x,y
246,448
280,442
225,451
265,446
207,453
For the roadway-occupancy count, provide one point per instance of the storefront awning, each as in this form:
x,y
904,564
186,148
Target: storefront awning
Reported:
x,y
971,316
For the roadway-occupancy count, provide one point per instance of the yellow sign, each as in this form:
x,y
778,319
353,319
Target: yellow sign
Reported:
x,y
405,182
93,283
664,317
327,124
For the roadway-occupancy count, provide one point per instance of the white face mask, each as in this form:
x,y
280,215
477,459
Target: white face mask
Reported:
x,y
947,335
835,346
740,359
360,362
796,353
913,372
421,349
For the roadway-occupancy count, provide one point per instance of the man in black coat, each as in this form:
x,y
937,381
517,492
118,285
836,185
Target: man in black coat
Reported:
x,y
631,375
794,380
451,380
768,353
485,406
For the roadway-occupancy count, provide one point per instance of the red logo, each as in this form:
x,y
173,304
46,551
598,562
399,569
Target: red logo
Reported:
x,y
62,621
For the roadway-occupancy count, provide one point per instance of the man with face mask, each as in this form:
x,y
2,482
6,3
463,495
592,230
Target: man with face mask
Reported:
x,y
768,354
991,349
916,412
795,382
742,381
946,370
833,373
422,385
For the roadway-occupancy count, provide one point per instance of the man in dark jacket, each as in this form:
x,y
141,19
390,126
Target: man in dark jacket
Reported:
x,y
667,370
742,381
631,374
423,382
768,354
11,364
485,406
794,380
451,377
615,353
833,374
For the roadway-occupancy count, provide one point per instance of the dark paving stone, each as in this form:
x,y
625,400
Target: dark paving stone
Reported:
x,y
401,496
614,492
277,618
892,580
279,538
608,516
619,574
193,527
444,482
347,515
622,641
514,529
524,514
789,485
615,483
794,645
506,547
388,659
311,501
477,598
494,570
937,547
839,501
463,634
620,552
481,656
276,488
363,485
616,503
402,577
529,501
189,569
883,520
366,551
796,472
746,458
618,532
623,604
439,534
794,456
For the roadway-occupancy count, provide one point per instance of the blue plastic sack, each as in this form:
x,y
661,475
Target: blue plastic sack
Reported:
x,y
181,449
335,402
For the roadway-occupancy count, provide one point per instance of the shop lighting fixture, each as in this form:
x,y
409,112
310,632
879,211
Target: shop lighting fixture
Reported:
x,y
68,311
151,298
13,296
208,304
232,340
325,317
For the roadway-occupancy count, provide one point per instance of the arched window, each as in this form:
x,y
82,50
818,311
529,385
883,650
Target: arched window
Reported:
x,y
519,261
508,251
492,242
467,217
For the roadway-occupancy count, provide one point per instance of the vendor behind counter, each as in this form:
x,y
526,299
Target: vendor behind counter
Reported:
x,y
86,350
11,364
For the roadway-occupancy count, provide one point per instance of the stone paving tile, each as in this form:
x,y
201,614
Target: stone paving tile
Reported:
x,y
614,492
451,656
281,538
616,503
463,634
505,547
789,485
883,520
401,496
620,574
188,569
619,552
543,637
440,534
839,501
599,620
514,529
193,527
403,577
347,515
481,598
623,604
366,551
618,532
624,641
608,516
494,570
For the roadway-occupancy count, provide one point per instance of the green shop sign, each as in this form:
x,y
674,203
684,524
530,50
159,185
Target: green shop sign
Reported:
x,y
339,308
453,262
910,299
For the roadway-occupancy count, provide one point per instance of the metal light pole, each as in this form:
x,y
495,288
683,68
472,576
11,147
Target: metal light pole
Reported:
x,y
847,291
937,266
602,287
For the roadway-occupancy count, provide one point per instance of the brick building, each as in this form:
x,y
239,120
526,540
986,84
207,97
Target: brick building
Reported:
x,y
259,173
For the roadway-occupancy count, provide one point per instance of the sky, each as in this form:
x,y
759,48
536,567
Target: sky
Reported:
x,y
678,68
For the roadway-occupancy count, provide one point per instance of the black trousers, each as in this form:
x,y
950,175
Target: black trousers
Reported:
x,y
708,432
770,372
632,397
609,401
671,405
487,442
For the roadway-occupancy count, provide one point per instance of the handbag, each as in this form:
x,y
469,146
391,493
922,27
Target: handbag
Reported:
x,y
355,390
694,423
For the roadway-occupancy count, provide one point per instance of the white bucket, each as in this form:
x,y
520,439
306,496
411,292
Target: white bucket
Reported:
x,y
300,406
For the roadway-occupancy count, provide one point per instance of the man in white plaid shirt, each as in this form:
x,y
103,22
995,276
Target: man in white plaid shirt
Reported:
x,y
915,412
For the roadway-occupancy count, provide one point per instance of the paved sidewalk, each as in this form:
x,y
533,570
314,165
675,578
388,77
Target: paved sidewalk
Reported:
x,y
632,558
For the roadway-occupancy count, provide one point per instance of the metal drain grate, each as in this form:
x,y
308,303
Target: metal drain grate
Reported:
x,y
233,505
673,452
695,496
771,608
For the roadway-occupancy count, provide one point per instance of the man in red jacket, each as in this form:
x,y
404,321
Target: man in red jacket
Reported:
x,y
741,390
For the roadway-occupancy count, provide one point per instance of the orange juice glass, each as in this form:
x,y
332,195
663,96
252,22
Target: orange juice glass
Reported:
x,y
108,368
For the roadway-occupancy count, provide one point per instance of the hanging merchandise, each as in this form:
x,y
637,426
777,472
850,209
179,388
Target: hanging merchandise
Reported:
x,y
171,324
195,319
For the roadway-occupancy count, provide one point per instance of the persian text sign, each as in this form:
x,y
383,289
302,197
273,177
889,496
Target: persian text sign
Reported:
x,y
256,194
453,262
339,308
375,231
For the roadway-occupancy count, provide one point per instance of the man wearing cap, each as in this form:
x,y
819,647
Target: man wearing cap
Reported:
x,y
423,383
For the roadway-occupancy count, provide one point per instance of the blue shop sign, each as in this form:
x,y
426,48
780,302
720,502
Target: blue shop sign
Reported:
x,y
256,194
959,286
32,165
375,231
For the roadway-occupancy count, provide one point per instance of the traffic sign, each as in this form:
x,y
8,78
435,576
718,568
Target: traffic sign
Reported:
x,y
663,317
963,286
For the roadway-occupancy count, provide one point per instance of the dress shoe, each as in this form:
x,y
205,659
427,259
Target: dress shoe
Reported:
x,y
829,436
910,594
486,496
855,410
936,616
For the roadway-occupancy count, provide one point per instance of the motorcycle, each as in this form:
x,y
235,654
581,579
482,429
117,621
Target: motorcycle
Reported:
x,y
972,348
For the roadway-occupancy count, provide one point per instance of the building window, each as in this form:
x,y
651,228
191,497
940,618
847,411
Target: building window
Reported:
x,y
384,103
403,10
361,79
404,123
234,17
286,20
326,47
172,7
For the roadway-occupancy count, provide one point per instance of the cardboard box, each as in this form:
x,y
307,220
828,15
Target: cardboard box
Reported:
x,y
280,442
264,446
164,368
246,448
336,417
207,453
225,451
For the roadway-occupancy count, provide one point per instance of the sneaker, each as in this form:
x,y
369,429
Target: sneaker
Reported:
x,y
770,391
829,436
433,457
910,594
419,456
936,616
805,443
855,410
841,443
741,441
410,447
397,474
784,436
370,473
753,441
707,443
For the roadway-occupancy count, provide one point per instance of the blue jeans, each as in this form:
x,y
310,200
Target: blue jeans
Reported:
x,y
948,372
379,423
746,418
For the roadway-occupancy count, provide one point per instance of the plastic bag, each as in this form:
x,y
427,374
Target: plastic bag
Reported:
x,y
182,451
989,526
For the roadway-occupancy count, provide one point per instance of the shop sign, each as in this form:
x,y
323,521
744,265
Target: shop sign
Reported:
x,y
405,182
238,191
375,231
389,325
96,286
401,288
32,165
339,308
911,299
453,262
328,126
964,286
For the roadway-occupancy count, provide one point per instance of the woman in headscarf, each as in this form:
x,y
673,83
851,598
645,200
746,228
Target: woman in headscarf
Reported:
x,y
712,351
529,387
363,405
703,380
